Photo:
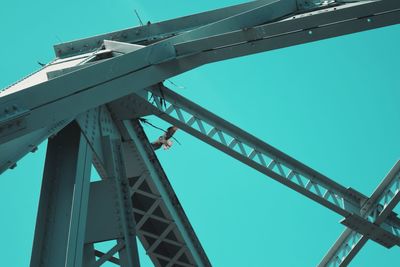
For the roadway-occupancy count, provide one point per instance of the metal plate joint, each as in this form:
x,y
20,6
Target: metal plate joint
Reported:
x,y
12,119
371,230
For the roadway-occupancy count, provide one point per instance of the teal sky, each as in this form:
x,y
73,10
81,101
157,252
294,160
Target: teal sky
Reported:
x,y
333,104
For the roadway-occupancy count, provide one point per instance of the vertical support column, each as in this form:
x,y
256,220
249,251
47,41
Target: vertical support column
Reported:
x,y
129,256
61,219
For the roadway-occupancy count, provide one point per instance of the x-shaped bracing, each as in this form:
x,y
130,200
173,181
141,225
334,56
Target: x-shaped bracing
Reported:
x,y
95,71
366,218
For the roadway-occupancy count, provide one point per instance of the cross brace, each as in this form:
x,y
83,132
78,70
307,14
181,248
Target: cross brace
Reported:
x,y
176,47
378,207
370,218
104,68
159,219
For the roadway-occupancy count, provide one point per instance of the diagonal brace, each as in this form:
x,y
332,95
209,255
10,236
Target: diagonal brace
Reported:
x,y
376,209
109,256
255,153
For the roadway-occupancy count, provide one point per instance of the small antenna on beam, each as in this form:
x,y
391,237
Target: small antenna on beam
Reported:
x,y
140,20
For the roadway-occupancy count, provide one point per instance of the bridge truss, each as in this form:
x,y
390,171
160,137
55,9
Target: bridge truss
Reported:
x,y
114,79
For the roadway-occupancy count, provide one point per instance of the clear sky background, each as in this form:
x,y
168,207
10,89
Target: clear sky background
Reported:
x,y
333,104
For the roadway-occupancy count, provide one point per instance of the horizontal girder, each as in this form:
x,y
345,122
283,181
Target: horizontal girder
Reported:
x,y
95,71
268,25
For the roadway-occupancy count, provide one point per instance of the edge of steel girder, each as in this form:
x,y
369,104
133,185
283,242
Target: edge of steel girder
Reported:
x,y
161,224
229,43
172,198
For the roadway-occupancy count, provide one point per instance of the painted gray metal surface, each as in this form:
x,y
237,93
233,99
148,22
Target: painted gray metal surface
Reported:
x,y
61,220
177,222
166,58
95,71
297,29
95,83
16,148
154,203
255,153
110,206
376,209
246,148
114,165
103,222
154,32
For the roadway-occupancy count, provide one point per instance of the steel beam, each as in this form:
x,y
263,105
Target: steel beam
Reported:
x,y
31,110
128,251
297,29
172,56
255,153
378,207
14,115
61,219
110,206
96,83
15,149
137,146
154,202
154,32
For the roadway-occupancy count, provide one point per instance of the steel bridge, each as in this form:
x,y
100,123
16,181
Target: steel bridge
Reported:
x,y
88,101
